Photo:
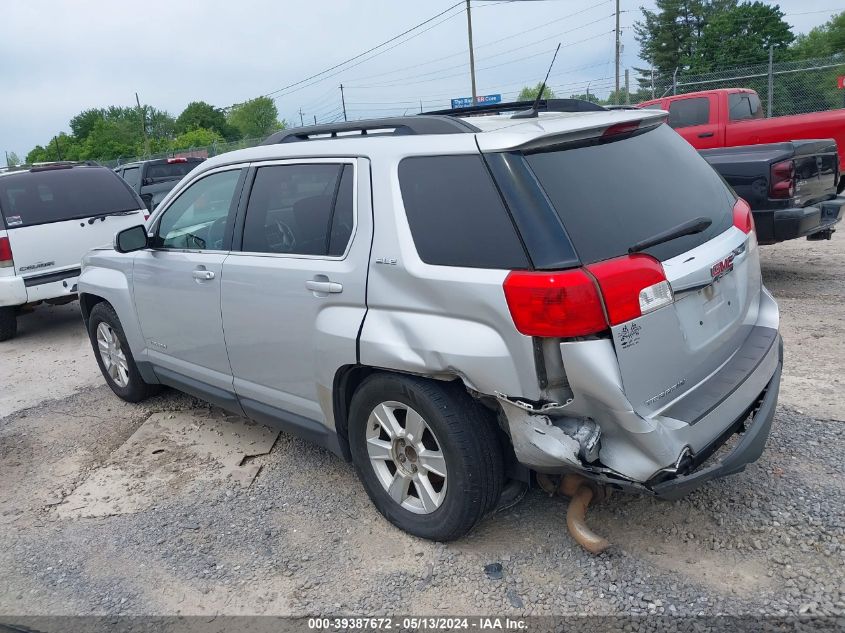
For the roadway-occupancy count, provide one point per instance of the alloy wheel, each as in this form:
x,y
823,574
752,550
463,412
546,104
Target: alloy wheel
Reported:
x,y
407,458
112,355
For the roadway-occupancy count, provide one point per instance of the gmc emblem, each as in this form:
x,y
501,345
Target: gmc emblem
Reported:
x,y
722,267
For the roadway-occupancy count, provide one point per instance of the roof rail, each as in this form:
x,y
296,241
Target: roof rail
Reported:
x,y
544,105
396,126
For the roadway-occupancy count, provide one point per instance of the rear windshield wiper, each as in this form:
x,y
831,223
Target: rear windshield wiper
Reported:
x,y
690,227
103,216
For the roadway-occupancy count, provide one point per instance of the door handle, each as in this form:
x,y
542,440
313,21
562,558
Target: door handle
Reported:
x,y
203,275
705,135
323,286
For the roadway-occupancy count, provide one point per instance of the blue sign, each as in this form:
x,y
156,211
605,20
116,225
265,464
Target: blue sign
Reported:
x,y
466,102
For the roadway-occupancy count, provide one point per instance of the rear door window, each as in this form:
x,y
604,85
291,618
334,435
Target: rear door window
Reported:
x,y
612,195
456,215
689,112
48,195
302,209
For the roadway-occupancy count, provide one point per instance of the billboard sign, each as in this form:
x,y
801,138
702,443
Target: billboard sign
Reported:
x,y
466,102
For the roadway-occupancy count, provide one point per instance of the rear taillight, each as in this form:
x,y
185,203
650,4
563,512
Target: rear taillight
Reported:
x,y
581,302
560,304
631,286
743,218
6,253
783,180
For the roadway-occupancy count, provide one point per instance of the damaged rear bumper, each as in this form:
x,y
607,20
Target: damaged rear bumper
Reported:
x,y
547,441
755,432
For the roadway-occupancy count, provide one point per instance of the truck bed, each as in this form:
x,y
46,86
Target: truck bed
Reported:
x,y
810,211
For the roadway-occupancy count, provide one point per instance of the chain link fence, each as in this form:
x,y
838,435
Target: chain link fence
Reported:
x,y
808,85
206,151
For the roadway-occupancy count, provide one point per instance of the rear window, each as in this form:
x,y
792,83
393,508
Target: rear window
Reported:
x,y
163,171
744,105
456,215
54,195
613,195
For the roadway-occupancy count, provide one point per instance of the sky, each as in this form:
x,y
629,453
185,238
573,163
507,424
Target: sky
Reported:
x,y
59,57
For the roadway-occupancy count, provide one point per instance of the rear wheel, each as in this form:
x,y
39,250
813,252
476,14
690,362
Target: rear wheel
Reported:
x,y
427,454
114,356
8,323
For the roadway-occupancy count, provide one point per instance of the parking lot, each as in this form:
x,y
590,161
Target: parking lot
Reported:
x,y
174,507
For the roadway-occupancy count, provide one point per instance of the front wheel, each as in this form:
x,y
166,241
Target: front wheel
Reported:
x,y
114,356
427,454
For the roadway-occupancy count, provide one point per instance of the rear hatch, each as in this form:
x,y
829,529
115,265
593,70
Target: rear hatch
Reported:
x,y
626,189
54,215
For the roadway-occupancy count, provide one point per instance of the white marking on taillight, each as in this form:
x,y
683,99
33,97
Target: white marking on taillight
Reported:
x,y
656,296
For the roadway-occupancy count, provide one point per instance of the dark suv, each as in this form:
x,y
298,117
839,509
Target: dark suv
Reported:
x,y
153,179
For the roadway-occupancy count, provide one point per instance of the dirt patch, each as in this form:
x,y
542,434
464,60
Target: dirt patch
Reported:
x,y
168,452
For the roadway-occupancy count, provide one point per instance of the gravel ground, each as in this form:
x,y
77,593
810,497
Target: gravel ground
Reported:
x,y
304,539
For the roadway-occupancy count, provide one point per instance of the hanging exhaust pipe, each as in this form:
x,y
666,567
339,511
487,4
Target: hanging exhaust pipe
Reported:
x,y
580,493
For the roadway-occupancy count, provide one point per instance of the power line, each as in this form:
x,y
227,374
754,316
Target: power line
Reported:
x,y
359,55
381,52
492,43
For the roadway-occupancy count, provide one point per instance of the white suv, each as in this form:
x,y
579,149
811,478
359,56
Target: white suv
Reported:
x,y
50,216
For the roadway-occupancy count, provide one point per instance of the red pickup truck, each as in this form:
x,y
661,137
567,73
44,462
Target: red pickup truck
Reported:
x,y
734,116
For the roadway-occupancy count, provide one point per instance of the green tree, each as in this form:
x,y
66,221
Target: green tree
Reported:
x,y
60,147
741,36
201,115
529,93
822,41
82,124
668,36
589,96
256,117
198,137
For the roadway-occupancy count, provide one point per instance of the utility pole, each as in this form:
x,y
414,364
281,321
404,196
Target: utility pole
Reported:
x,y
771,80
343,101
420,106
618,47
315,119
143,114
652,82
627,89
58,150
301,120
471,55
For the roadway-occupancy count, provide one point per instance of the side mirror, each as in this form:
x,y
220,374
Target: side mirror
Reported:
x,y
130,240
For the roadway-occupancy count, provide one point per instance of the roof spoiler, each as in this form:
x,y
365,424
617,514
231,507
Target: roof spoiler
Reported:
x,y
543,105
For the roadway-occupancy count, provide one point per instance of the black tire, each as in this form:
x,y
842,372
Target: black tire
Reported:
x,y
8,323
136,390
467,437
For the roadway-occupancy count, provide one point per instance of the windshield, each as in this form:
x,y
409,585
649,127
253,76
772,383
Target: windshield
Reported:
x,y
612,195
28,198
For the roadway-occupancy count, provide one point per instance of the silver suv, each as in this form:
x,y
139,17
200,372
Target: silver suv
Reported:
x,y
454,301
